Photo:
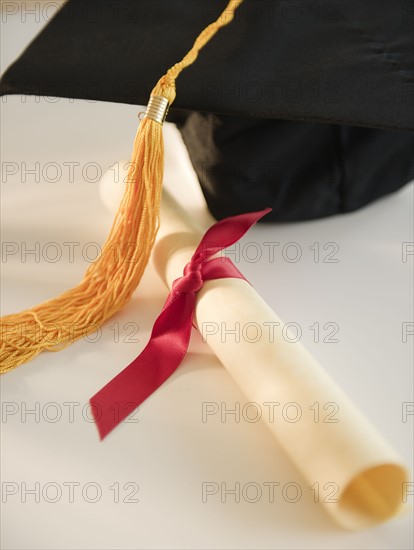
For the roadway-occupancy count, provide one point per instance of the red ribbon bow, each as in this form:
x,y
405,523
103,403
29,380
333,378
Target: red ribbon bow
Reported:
x,y
170,335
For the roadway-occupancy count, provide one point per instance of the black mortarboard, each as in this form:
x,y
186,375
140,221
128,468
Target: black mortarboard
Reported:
x,y
304,107
299,105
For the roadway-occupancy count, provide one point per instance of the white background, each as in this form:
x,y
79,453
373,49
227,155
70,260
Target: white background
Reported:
x,y
170,452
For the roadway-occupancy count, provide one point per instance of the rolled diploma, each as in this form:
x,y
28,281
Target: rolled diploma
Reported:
x,y
349,456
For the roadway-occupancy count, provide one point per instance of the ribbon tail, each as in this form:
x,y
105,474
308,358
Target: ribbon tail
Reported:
x,y
227,231
163,354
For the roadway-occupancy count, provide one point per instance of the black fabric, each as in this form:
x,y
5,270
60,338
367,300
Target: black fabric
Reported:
x,y
301,170
346,62
302,105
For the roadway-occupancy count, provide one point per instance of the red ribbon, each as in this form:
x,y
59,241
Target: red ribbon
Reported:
x,y
170,335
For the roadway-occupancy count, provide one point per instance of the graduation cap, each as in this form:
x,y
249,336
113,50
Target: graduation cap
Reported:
x,y
304,107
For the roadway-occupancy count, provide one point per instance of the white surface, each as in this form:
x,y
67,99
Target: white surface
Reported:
x,y
170,452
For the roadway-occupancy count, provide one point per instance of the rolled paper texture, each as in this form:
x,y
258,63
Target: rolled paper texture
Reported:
x,y
348,454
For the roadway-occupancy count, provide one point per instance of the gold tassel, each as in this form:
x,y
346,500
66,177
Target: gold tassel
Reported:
x,y
110,281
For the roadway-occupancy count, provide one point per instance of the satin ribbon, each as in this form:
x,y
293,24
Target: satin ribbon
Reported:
x,y
171,332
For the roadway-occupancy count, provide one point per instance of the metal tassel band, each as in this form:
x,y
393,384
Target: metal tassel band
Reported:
x,y
157,108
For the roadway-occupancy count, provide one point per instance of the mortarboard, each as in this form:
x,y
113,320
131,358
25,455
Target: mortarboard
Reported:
x,y
305,107
301,106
